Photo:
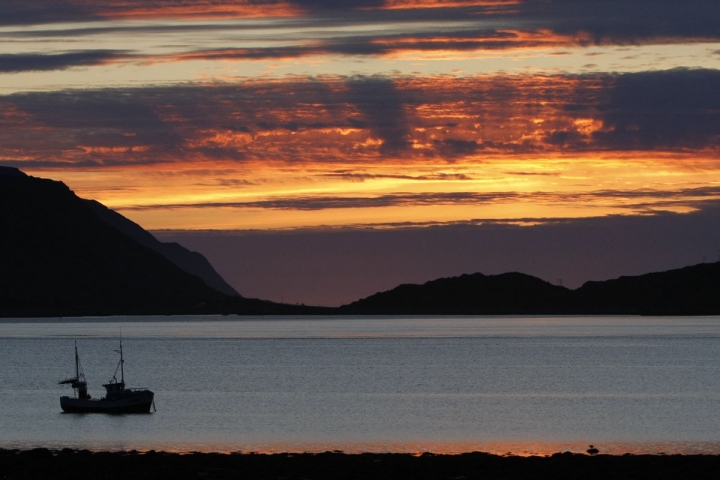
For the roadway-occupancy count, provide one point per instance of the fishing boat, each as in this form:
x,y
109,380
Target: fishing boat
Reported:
x,y
117,399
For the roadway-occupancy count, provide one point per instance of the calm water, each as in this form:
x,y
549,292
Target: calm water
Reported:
x,y
526,384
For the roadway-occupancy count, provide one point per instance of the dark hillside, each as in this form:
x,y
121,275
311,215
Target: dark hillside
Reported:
x,y
476,294
58,258
192,262
693,290
64,256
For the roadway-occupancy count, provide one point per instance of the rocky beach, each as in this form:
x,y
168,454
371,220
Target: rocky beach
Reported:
x,y
85,464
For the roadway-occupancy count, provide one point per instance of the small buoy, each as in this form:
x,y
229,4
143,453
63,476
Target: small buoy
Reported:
x,y
592,450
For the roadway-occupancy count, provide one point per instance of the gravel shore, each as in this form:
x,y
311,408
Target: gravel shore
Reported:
x,y
42,463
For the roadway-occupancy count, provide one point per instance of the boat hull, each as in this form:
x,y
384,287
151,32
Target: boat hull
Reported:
x,y
136,403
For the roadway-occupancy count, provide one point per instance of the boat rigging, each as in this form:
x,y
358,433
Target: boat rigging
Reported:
x,y
117,399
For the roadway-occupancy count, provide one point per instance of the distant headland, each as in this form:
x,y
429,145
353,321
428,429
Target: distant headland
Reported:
x,y
693,290
61,255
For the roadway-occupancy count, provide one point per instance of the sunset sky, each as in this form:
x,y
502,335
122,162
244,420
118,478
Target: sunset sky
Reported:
x,y
317,151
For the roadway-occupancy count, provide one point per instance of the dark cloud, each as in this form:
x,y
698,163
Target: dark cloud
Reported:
x,y
566,138
584,22
526,25
326,17
135,29
547,174
364,45
234,182
381,107
246,53
644,200
111,127
46,11
624,21
676,109
321,5
451,147
42,11
20,12
13,63
327,202
442,38
162,124
364,119
361,177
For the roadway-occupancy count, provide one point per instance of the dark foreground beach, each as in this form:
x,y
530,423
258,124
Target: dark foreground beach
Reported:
x,y
83,464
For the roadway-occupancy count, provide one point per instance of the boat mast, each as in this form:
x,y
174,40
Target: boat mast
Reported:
x,y
77,363
122,370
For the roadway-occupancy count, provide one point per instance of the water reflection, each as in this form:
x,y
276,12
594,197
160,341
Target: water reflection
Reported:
x,y
528,385
210,326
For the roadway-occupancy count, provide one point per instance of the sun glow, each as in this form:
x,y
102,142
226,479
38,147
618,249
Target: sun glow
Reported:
x,y
277,195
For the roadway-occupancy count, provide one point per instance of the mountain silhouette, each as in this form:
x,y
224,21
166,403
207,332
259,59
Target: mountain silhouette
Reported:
x,y
59,257
476,294
693,290
192,262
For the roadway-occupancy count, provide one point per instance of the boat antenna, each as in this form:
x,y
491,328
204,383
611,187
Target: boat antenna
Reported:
x,y
122,361
122,369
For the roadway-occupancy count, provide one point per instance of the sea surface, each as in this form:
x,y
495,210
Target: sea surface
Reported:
x,y
526,385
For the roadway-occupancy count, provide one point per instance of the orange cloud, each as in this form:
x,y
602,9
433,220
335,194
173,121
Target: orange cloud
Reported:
x,y
402,4
209,9
367,119
198,9
379,149
498,39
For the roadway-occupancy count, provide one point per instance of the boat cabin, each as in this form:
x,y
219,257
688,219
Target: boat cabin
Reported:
x,y
113,389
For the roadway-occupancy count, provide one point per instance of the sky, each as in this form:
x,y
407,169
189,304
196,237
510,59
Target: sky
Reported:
x,y
318,151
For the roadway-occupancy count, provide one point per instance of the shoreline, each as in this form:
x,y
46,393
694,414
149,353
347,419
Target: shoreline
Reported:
x,y
80,464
